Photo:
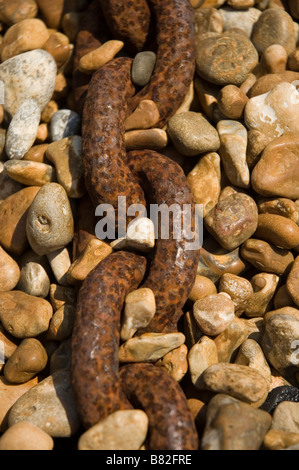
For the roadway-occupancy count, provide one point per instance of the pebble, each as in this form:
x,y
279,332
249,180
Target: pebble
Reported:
x,y
200,356
35,71
58,45
49,405
22,130
225,59
139,309
145,116
24,315
243,20
26,35
202,286
264,286
37,153
191,329
267,82
108,434
142,67
60,295
232,424
26,362
141,234
266,257
60,263
233,220
292,281
231,101
230,339
192,134
8,342
278,395
14,11
293,60
214,265
154,139
286,417
9,272
9,394
251,354
208,170
50,224
66,156
233,145
280,206
208,20
280,340
276,439
62,323
274,26
278,230
275,112
274,175
207,94
149,347
96,58
30,173
282,298
52,13
214,313
25,436
241,382
175,362
14,210
64,123
238,288
34,280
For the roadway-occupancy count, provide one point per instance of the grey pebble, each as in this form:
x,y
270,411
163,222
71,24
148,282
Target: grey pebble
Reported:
x,y
65,123
142,67
34,280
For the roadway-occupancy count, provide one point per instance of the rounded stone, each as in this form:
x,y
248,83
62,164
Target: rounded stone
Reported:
x,y
277,171
50,224
25,436
28,75
30,173
277,230
238,288
9,271
14,11
202,286
64,123
274,26
192,134
225,59
214,313
26,362
34,280
142,67
266,257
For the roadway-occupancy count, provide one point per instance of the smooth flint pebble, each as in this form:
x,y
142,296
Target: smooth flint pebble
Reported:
x,y
9,271
233,425
266,257
24,315
30,173
50,224
278,395
226,58
49,405
26,362
109,433
34,280
25,436
28,75
64,123
22,129
17,10
142,67
278,230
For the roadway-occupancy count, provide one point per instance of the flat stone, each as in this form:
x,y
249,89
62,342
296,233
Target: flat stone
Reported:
x,y
233,145
266,257
286,417
64,123
109,434
277,171
14,211
241,382
149,347
192,134
225,58
154,139
207,170
28,75
278,230
49,405
34,280
233,220
142,67
230,339
233,425
26,35
30,173
24,315
26,362
60,263
37,153
268,81
22,130
275,112
244,19
25,436
50,224
214,313
274,26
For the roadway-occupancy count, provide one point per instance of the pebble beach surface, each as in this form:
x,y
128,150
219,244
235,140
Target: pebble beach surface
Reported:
x,y
132,342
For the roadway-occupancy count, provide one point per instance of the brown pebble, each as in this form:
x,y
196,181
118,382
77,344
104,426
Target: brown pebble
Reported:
x,y
146,115
277,439
14,11
96,58
154,139
9,271
30,173
26,362
25,436
37,153
278,230
232,101
282,298
292,282
58,45
202,286
266,257
280,206
49,111
238,288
